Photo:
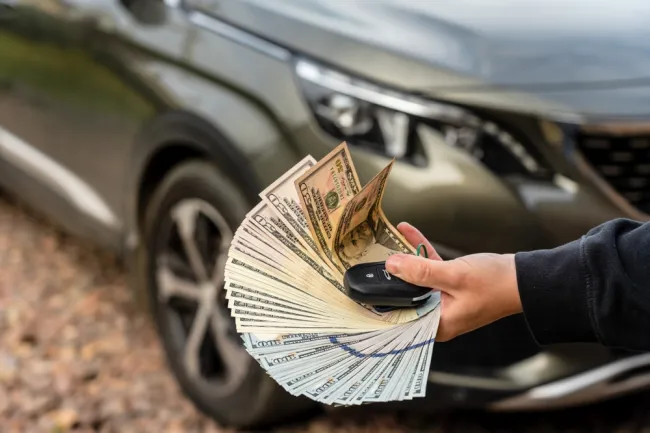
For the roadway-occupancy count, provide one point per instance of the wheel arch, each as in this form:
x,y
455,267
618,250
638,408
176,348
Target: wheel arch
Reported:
x,y
161,162
173,138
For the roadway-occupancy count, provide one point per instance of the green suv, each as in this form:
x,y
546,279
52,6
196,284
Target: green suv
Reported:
x,y
150,126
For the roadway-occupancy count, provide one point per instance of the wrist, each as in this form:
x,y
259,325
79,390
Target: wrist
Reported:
x,y
512,300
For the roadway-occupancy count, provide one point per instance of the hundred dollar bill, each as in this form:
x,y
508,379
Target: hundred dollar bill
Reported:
x,y
260,302
423,369
284,198
363,233
324,191
235,290
288,342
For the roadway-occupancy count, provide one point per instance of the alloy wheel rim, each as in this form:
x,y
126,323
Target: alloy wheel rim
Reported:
x,y
189,276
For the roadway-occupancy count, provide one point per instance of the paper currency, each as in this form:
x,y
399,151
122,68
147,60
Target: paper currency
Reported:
x,y
324,191
363,233
284,286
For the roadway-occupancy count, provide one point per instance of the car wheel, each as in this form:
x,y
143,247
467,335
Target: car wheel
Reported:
x,y
188,227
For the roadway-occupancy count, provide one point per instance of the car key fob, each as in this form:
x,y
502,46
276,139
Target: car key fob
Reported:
x,y
371,284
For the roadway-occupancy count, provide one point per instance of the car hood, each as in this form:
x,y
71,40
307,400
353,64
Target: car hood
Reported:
x,y
516,42
434,46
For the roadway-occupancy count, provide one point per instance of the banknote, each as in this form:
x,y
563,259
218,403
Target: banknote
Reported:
x,y
363,233
284,288
324,191
283,197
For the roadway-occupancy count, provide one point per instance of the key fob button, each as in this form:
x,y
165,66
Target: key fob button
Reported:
x,y
383,274
370,275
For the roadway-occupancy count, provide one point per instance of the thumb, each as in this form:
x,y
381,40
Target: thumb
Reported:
x,y
419,270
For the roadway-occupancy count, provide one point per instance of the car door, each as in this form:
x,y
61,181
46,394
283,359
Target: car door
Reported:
x,y
68,112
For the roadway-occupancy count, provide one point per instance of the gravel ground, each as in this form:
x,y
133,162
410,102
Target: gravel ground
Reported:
x,y
76,355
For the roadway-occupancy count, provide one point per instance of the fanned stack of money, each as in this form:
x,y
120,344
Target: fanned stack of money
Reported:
x,y
284,287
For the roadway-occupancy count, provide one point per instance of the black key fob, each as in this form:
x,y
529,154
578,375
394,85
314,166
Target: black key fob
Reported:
x,y
371,284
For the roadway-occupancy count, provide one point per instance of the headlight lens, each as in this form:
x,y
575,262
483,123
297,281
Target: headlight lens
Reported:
x,y
383,120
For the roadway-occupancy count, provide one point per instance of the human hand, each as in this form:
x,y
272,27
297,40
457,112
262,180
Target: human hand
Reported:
x,y
476,290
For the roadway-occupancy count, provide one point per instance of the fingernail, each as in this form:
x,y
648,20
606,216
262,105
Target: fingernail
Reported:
x,y
393,263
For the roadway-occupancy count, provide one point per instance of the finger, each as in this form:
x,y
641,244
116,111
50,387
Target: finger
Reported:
x,y
415,238
420,271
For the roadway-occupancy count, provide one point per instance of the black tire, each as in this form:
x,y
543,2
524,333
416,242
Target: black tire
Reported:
x,y
257,401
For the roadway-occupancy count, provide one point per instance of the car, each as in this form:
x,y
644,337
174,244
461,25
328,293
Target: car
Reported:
x,y
149,127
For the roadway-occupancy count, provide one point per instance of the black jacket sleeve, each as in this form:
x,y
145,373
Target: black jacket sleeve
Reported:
x,y
595,289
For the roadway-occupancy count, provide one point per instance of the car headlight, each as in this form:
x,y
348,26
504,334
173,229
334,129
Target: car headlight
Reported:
x,y
380,119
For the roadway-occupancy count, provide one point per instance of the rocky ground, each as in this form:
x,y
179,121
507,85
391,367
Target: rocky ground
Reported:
x,y
76,355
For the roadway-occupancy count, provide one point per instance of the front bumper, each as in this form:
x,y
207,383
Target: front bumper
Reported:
x,y
610,380
511,393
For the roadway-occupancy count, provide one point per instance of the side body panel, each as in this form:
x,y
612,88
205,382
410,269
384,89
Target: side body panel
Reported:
x,y
67,115
90,95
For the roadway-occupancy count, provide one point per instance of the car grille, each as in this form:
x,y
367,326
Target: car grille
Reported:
x,y
624,161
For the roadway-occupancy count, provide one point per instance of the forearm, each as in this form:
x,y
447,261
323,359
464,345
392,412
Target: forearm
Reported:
x,y
596,289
